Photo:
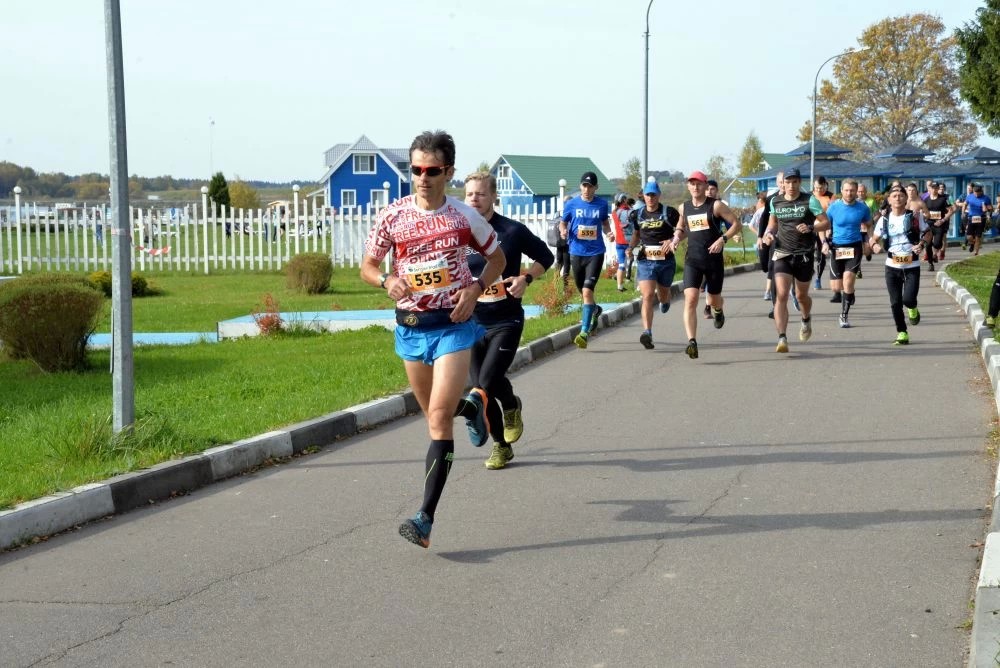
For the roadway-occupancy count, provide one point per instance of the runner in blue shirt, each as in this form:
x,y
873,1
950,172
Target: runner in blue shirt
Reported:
x,y
977,208
585,223
846,245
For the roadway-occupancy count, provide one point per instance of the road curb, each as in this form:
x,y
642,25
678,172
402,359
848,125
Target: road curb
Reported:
x,y
984,645
66,510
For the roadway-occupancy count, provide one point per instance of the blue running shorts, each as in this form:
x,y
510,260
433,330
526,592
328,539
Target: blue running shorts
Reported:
x,y
661,271
622,251
415,344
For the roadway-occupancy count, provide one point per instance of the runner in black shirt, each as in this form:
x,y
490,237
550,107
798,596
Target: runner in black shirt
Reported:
x,y
654,226
499,310
795,219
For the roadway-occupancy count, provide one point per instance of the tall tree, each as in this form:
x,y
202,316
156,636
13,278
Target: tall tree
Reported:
x,y
218,190
632,183
805,132
979,63
719,168
751,155
243,196
904,87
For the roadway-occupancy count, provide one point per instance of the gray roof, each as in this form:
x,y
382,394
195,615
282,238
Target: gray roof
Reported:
x,y
904,150
336,155
979,153
823,147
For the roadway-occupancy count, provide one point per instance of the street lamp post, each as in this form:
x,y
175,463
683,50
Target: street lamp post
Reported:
x,y
812,147
562,195
211,147
645,101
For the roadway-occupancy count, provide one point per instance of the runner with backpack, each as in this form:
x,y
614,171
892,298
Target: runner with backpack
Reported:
x,y
904,234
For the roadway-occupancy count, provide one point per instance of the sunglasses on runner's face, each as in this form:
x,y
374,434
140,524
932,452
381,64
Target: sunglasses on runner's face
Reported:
x,y
429,171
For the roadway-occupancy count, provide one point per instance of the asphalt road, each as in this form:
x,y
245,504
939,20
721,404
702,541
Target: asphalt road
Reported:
x,y
821,508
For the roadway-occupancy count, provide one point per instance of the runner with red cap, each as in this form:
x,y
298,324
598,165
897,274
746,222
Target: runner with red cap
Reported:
x,y
701,222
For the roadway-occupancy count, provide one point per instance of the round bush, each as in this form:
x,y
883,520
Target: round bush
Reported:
x,y
49,322
102,281
309,272
140,286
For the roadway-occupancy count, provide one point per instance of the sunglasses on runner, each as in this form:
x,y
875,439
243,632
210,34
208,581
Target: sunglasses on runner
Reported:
x,y
429,171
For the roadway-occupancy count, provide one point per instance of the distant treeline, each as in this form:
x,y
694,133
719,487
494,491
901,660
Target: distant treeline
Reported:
x,y
95,186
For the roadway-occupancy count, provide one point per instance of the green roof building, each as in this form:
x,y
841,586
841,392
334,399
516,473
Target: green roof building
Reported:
x,y
528,181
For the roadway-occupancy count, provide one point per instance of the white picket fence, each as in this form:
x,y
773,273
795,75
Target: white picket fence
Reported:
x,y
194,239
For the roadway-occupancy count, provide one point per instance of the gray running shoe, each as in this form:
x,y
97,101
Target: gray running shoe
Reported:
x,y
806,330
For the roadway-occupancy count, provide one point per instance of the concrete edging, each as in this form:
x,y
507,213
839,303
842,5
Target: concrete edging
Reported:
x,y
984,645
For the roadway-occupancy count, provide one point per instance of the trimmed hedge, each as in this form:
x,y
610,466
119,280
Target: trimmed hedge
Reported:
x,y
48,319
102,281
309,272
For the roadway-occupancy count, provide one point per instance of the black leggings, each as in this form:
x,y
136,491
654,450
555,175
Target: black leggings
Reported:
x,y
491,357
939,234
903,286
562,259
586,270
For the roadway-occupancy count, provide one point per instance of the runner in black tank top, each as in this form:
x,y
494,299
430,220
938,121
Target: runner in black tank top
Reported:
x,y
701,222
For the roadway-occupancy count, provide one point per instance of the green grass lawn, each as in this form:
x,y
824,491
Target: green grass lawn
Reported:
x,y
55,427
976,274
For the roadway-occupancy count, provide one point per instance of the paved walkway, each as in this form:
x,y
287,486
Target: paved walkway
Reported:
x,y
821,508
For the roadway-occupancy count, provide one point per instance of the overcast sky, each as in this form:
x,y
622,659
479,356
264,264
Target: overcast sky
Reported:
x,y
284,81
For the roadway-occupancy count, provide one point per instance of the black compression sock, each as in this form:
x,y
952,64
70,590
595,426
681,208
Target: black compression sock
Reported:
x,y
438,465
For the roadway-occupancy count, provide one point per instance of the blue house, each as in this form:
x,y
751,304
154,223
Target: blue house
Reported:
x,y
356,175
527,180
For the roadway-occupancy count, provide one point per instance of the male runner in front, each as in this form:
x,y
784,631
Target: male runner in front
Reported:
x,y
435,294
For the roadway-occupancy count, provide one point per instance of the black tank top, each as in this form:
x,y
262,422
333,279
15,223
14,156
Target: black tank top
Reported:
x,y
703,229
655,227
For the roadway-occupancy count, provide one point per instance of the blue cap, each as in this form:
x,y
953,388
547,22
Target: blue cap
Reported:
x,y
651,188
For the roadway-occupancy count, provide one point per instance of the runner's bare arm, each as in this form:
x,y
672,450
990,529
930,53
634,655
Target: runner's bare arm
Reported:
x,y
724,212
680,231
822,223
772,229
